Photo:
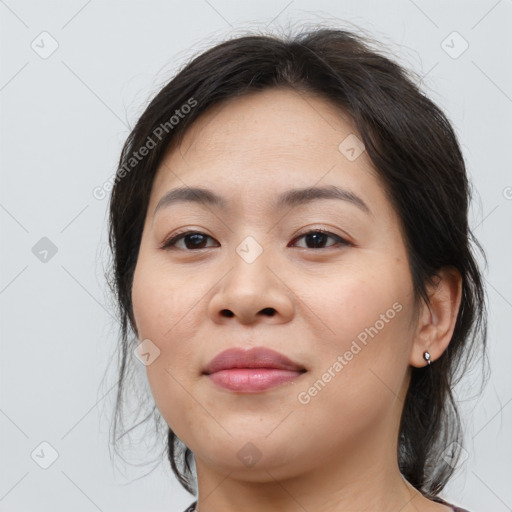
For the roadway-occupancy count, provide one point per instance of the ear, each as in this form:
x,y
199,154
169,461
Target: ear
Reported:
x,y
436,321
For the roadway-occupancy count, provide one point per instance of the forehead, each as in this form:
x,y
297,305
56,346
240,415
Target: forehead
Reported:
x,y
259,145
270,122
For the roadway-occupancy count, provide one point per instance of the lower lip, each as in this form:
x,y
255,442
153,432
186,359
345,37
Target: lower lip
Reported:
x,y
251,380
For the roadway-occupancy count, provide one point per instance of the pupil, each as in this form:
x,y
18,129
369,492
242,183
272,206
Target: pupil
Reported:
x,y
315,238
196,239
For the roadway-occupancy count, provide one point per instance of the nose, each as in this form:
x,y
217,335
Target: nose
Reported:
x,y
252,292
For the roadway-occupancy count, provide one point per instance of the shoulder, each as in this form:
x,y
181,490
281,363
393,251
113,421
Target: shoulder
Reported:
x,y
192,507
454,507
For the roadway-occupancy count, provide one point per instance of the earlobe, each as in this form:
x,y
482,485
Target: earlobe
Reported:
x,y
437,319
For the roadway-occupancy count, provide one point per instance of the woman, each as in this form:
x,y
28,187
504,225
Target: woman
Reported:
x,y
291,250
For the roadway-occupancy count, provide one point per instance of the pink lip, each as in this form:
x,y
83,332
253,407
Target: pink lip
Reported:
x,y
252,370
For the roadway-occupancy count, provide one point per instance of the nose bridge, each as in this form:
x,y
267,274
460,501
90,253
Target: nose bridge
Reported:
x,y
251,287
250,249
250,262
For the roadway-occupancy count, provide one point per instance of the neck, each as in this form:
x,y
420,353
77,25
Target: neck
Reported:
x,y
363,479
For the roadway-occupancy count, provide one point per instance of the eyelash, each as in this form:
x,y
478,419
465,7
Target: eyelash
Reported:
x,y
170,244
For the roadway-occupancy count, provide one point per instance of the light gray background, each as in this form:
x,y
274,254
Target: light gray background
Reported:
x,y
64,119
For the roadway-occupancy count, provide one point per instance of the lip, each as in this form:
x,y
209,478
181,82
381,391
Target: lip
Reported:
x,y
252,370
254,357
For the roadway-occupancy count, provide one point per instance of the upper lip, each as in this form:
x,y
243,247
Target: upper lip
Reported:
x,y
255,357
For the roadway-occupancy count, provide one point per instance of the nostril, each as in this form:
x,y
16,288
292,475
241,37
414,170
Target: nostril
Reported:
x,y
227,312
268,311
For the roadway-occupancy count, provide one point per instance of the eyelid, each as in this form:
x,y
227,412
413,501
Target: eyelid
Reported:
x,y
341,239
169,243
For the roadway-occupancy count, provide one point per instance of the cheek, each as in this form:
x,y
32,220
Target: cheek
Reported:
x,y
365,350
359,305
163,312
360,373
161,302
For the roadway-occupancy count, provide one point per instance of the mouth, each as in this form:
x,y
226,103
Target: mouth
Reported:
x,y
253,370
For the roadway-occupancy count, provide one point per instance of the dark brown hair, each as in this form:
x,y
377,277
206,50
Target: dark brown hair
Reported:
x,y
417,158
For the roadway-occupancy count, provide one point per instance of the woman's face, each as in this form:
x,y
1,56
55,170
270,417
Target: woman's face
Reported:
x,y
339,304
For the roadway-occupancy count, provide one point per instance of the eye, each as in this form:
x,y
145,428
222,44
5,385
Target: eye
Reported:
x,y
194,240
318,237
191,239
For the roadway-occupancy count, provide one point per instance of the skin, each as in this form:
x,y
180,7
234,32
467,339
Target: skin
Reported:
x,y
338,451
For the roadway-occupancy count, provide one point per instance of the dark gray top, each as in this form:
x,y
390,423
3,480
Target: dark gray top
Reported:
x,y
439,500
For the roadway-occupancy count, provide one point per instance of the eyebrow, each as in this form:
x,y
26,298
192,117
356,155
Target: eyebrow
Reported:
x,y
288,199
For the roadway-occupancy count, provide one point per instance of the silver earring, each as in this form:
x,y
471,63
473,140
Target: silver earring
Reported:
x,y
426,356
